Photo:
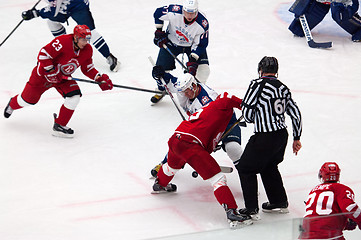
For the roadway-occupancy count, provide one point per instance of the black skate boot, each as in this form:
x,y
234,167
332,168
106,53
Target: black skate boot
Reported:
x,y
157,188
8,110
113,62
155,170
62,131
252,212
236,219
275,208
157,97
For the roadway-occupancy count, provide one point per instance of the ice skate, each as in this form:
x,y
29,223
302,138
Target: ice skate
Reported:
x,y
155,170
8,110
235,219
252,212
113,62
62,131
157,97
157,188
275,208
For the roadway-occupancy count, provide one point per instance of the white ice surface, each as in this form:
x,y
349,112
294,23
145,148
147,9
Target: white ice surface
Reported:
x,y
96,185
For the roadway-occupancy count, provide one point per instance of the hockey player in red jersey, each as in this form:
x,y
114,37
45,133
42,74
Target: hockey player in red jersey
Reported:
x,y
193,142
330,207
56,62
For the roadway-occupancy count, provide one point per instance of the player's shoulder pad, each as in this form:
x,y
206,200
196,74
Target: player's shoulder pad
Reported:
x,y
174,8
202,21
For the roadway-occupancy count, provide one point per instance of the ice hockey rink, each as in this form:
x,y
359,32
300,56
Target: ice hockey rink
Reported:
x,y
97,186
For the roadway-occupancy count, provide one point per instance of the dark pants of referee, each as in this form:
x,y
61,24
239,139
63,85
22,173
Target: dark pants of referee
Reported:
x,y
262,154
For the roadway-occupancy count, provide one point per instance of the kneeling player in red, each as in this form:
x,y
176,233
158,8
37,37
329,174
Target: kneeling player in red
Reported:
x,y
56,62
330,207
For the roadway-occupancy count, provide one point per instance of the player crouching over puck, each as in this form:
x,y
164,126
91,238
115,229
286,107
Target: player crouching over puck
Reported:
x,y
193,142
56,62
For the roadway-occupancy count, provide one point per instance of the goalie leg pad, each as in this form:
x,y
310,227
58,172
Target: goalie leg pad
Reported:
x,y
352,25
314,15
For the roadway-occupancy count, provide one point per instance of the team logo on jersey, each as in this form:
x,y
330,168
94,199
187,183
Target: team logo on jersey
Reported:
x,y
181,35
175,8
205,100
70,67
204,23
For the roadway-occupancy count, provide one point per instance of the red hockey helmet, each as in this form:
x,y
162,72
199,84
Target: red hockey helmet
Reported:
x,y
329,172
82,31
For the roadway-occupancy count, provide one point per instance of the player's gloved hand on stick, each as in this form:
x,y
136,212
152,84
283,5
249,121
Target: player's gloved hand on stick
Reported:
x,y
30,14
350,225
192,66
158,73
54,75
104,82
160,38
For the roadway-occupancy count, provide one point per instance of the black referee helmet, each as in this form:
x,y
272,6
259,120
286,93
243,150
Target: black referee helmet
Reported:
x,y
268,65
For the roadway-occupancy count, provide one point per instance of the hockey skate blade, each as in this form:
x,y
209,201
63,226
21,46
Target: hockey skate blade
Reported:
x,y
236,225
117,67
161,192
225,169
276,210
62,135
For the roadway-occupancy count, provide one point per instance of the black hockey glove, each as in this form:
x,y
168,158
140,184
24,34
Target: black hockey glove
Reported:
x,y
350,225
30,14
192,66
160,38
158,73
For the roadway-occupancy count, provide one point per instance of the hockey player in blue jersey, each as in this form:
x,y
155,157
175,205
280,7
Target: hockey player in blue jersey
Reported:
x,y
187,32
192,96
344,13
59,11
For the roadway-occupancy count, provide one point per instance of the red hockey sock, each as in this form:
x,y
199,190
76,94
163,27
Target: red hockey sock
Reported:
x,y
14,103
64,116
162,178
225,196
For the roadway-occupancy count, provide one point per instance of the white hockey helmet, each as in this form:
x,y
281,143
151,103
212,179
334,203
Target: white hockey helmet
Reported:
x,y
190,6
185,81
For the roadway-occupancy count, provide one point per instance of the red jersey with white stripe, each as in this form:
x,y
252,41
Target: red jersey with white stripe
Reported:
x,y
60,52
208,123
324,208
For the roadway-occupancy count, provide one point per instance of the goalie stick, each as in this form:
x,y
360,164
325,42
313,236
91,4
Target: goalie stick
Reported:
x,y
308,35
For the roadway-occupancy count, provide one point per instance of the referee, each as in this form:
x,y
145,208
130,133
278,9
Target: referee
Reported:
x,y
265,104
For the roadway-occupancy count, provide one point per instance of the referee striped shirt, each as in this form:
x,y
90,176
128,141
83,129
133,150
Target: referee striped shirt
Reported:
x,y
266,101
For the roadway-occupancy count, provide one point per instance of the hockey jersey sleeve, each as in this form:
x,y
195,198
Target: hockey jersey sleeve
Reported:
x,y
160,14
250,101
47,54
87,67
345,199
295,114
227,101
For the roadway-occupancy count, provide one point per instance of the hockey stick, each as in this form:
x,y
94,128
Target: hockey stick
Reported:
x,y
115,85
179,61
308,35
18,25
243,124
169,93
